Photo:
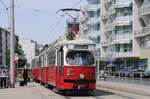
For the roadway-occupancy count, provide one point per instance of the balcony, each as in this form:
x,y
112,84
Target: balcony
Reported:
x,y
121,39
122,54
144,10
107,1
94,20
123,3
94,32
93,7
123,35
123,20
141,32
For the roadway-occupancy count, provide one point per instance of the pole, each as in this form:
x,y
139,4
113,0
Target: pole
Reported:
x,y
98,74
12,31
98,69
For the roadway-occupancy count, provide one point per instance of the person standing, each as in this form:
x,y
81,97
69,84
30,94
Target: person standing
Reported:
x,y
3,77
25,75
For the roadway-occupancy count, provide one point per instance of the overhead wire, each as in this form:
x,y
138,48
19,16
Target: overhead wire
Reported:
x,y
53,28
3,3
6,8
58,22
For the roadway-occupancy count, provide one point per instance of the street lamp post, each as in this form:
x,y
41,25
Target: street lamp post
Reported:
x,y
12,32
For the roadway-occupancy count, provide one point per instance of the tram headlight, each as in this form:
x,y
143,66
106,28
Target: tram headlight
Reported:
x,y
82,76
69,72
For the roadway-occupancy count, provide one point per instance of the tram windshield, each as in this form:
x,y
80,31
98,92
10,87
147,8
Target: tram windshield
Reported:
x,y
80,58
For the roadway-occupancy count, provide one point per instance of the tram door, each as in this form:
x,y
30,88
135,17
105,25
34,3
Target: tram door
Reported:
x,y
59,67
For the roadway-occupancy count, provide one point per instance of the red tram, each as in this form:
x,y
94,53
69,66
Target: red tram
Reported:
x,y
67,65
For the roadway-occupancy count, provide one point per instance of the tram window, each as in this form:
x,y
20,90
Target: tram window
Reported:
x,y
51,58
80,58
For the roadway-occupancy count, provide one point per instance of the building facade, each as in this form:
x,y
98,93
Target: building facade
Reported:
x,y
117,39
142,30
31,49
122,33
5,46
90,22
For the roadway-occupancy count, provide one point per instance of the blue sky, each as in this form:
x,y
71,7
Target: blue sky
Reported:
x,y
36,18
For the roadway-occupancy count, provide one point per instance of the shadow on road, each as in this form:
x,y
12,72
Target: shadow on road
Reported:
x,y
99,92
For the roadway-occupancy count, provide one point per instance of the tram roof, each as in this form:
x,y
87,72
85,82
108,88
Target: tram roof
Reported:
x,y
78,41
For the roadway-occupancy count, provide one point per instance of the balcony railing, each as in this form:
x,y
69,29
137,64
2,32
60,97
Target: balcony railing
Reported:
x,y
93,6
122,54
145,9
123,3
142,31
122,20
123,35
107,1
94,20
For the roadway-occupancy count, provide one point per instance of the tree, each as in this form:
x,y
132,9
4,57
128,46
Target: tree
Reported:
x,y
22,59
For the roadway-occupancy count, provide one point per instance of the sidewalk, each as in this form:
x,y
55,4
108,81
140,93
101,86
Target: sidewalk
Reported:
x,y
32,91
127,87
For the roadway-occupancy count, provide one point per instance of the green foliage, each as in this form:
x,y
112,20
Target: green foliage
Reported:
x,y
22,62
22,59
19,50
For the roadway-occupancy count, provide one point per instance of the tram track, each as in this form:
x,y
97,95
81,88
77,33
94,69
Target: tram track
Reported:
x,y
123,93
129,90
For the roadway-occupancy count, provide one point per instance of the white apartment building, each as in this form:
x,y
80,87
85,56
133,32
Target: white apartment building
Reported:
x,y
142,29
123,30
90,22
5,46
117,36
31,49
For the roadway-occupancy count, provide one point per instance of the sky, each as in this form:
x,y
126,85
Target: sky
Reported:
x,y
36,19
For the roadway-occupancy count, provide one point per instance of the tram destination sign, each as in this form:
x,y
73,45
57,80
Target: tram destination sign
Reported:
x,y
81,47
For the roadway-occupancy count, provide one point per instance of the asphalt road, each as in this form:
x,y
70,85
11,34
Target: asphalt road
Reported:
x,y
99,93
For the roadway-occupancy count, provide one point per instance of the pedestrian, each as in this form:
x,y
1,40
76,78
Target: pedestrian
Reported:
x,y
25,75
3,77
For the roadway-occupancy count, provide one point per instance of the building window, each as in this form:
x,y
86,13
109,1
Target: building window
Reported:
x,y
90,14
146,44
123,47
51,57
98,13
94,27
117,47
127,47
93,1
